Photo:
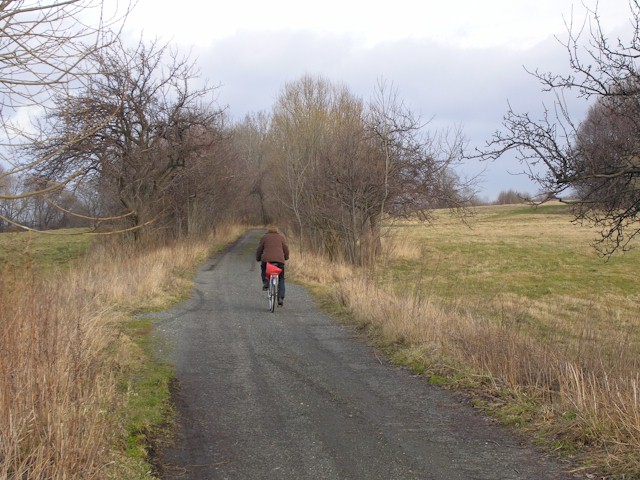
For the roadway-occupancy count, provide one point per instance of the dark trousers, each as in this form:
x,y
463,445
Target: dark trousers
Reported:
x,y
265,280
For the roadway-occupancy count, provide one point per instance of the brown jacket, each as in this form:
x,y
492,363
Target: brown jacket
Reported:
x,y
272,248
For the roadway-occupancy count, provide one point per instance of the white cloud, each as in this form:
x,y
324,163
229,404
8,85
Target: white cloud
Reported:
x,y
460,23
457,61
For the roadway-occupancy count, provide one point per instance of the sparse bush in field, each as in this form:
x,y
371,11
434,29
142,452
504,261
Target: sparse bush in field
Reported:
x,y
511,197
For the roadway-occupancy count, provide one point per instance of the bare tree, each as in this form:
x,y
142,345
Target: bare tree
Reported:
x,y
43,211
606,153
135,126
418,161
342,166
43,45
345,183
298,131
414,163
10,209
43,50
595,161
213,186
252,142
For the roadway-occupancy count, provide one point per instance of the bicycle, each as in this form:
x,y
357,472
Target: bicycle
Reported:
x,y
273,274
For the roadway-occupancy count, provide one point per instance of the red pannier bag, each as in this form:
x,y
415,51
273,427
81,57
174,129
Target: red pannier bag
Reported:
x,y
273,269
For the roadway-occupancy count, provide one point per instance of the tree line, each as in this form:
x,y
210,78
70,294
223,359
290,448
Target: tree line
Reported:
x,y
130,139
333,168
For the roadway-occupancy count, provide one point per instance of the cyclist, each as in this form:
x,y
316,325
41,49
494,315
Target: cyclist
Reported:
x,y
273,248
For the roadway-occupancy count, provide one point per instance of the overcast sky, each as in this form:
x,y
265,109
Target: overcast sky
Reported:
x,y
457,62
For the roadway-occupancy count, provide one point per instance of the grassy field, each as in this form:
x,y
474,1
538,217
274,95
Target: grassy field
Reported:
x,y
523,266
30,249
518,309
532,253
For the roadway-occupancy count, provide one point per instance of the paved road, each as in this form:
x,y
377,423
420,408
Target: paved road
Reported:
x,y
293,395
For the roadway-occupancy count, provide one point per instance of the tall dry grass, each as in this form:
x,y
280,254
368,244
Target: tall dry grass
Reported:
x,y
62,353
55,392
577,389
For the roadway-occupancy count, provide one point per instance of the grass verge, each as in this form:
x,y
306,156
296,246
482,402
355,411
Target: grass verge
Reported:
x,y
147,411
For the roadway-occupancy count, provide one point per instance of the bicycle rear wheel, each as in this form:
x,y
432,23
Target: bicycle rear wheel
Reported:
x,y
273,292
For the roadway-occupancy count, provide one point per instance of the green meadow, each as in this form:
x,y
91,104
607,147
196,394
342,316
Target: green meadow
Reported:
x,y
44,250
522,264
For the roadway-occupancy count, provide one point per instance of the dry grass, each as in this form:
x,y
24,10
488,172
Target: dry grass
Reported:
x,y
62,353
54,394
521,311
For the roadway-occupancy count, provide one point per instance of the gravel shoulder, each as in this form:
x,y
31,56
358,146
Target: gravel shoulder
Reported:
x,y
295,395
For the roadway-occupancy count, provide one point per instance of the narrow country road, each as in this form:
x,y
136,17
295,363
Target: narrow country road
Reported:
x,y
294,395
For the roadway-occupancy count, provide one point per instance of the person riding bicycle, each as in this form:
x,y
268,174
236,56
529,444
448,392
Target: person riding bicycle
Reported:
x,y
273,248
